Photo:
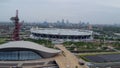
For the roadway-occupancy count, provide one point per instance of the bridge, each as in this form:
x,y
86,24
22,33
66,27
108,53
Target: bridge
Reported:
x,y
67,59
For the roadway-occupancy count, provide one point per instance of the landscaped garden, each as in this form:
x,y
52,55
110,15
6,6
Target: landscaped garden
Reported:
x,y
2,40
90,46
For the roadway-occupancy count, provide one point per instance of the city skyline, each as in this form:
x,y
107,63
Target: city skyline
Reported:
x,y
93,11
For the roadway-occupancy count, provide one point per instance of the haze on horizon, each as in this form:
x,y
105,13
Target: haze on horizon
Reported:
x,y
93,11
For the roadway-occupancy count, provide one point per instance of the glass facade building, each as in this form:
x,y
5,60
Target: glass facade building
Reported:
x,y
25,50
18,54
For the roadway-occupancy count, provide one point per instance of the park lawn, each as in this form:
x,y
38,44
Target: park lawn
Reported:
x,y
2,40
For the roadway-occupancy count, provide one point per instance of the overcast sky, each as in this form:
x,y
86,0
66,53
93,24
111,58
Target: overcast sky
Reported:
x,y
93,11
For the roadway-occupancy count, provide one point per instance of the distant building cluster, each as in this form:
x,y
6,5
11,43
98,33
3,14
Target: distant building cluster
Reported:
x,y
62,24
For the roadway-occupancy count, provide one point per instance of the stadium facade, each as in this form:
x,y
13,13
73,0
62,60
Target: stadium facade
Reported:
x,y
61,35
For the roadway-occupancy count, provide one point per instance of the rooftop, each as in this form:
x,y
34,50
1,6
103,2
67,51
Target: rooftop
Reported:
x,y
28,45
55,31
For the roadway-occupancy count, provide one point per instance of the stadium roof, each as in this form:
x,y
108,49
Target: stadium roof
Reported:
x,y
55,31
29,45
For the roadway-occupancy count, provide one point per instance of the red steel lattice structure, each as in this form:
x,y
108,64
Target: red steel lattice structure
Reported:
x,y
15,20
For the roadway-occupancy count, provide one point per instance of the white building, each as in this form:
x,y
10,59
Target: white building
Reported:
x,y
61,35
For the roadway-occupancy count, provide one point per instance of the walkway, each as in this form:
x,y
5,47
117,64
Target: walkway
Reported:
x,y
67,59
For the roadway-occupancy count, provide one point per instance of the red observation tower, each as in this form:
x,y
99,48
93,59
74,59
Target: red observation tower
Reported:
x,y
15,20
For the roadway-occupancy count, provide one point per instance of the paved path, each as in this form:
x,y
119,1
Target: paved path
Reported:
x,y
112,48
27,64
67,59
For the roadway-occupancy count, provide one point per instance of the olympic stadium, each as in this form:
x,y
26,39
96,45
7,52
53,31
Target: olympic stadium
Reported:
x,y
28,53
61,35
